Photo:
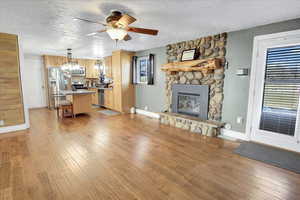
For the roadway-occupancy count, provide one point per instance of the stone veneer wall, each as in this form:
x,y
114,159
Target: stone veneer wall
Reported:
x,y
207,47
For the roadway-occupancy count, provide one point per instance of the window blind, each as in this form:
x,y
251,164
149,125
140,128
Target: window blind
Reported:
x,y
281,90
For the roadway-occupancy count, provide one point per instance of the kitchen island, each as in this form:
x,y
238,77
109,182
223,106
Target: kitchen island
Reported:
x,y
81,100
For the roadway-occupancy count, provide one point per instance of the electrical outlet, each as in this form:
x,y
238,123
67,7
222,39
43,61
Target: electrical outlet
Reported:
x,y
239,120
146,107
227,126
1,122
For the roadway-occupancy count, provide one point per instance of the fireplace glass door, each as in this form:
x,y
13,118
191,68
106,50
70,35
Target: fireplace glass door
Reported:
x,y
188,103
190,100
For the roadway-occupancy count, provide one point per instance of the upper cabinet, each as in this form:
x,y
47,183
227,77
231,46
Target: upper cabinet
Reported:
x,y
11,98
108,67
90,70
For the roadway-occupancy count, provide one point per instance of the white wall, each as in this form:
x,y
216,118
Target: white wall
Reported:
x,y
34,81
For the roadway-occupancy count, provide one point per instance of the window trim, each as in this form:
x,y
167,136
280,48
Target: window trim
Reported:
x,y
150,70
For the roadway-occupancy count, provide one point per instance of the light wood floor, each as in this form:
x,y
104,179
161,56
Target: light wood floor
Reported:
x,y
130,157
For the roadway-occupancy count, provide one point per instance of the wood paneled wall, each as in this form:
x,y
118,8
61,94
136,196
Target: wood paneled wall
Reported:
x,y
11,98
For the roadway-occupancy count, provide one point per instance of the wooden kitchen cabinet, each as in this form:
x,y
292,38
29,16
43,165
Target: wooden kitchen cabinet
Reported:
x,y
82,103
108,66
96,72
109,99
123,89
95,96
90,70
11,98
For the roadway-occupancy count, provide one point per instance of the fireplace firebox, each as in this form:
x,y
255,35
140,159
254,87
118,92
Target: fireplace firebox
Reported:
x,y
190,100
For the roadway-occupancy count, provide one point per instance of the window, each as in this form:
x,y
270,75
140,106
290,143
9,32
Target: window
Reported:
x,y
281,90
143,70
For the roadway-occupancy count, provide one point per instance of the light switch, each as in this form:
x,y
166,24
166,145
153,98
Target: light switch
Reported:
x,y
242,72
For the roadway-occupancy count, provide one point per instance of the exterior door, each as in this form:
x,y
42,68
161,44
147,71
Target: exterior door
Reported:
x,y
275,84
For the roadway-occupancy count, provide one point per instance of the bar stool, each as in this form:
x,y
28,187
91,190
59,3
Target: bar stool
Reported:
x,y
66,108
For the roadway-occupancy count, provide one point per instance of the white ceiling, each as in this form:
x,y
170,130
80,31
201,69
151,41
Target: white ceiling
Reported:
x,y
46,26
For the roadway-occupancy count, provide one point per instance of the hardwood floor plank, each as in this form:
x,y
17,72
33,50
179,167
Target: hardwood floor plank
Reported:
x,y
130,157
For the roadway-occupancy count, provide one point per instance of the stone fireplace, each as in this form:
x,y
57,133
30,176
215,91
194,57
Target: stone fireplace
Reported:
x,y
185,117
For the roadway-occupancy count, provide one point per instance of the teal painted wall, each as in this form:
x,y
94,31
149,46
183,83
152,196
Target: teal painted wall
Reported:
x,y
239,55
153,96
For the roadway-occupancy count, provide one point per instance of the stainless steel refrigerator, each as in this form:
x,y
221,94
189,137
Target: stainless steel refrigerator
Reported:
x,y
58,80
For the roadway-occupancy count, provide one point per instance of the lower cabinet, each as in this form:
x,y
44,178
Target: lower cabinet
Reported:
x,y
109,99
94,96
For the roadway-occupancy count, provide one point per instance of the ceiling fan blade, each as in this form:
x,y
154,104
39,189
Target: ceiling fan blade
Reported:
x,y
101,31
125,20
142,30
95,33
127,37
91,34
88,21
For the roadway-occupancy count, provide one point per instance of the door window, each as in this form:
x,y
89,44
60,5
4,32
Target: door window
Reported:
x,y
281,90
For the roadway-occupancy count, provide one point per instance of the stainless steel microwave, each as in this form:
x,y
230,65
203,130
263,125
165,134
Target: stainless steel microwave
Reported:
x,y
78,71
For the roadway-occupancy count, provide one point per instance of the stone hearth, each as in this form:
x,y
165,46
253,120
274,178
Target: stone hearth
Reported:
x,y
193,124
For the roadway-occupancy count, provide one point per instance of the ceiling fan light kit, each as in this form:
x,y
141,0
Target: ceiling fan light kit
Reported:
x,y
116,33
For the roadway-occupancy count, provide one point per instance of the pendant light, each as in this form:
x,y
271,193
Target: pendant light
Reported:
x,y
70,64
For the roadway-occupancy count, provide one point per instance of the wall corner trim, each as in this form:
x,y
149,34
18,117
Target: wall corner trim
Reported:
x,y
234,134
147,113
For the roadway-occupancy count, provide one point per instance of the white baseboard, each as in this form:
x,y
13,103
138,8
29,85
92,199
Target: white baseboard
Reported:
x,y
35,108
234,134
147,113
13,128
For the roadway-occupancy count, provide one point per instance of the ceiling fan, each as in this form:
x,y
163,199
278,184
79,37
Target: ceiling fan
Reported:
x,y
117,26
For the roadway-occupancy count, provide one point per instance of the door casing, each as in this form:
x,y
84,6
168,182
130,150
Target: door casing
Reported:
x,y
261,43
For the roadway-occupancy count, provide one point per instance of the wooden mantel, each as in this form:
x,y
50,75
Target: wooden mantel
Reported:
x,y
204,65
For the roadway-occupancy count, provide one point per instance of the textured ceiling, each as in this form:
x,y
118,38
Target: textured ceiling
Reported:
x,y
46,26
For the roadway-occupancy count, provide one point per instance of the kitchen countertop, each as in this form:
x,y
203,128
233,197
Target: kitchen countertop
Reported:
x,y
99,88
110,88
77,92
